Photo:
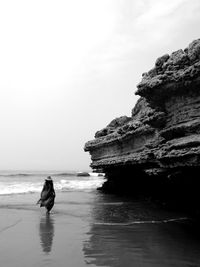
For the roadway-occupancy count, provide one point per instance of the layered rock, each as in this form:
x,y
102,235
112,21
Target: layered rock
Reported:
x,y
161,140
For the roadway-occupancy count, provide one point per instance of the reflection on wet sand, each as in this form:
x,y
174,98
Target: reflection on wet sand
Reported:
x,y
152,244
46,229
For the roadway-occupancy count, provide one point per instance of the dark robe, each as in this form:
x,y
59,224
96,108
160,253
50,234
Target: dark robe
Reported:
x,y
47,196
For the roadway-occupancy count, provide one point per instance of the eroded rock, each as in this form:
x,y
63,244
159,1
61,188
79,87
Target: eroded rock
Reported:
x,y
160,142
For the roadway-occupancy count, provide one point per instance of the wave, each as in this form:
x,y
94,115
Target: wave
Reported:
x,y
66,185
42,174
37,174
64,174
16,175
20,188
61,185
143,222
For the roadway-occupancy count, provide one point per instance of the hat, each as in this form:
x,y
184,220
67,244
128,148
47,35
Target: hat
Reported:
x,y
48,178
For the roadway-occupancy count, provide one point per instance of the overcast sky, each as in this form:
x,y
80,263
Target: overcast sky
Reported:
x,y
67,68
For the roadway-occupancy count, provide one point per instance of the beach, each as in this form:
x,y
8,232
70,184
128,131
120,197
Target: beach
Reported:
x,y
87,227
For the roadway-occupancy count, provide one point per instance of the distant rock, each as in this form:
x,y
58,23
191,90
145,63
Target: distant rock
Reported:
x,y
83,174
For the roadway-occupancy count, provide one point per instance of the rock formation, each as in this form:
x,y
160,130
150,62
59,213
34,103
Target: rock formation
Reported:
x,y
156,151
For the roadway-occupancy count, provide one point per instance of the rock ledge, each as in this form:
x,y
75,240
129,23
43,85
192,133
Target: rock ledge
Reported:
x,y
159,145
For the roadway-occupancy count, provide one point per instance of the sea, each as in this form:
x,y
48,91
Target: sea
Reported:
x,y
89,228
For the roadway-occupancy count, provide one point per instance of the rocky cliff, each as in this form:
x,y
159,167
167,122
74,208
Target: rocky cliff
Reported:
x,y
157,149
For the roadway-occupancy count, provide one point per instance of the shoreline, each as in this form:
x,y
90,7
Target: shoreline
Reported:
x,y
93,228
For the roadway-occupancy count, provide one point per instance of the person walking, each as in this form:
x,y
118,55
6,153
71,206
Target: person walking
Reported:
x,y
47,196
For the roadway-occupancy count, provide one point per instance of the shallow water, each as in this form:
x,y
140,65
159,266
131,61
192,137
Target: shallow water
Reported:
x,y
128,233
87,227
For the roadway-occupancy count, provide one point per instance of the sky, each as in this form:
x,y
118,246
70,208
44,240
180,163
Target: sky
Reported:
x,y
67,68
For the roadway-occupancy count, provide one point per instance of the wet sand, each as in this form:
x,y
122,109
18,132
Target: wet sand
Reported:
x,y
96,230
29,237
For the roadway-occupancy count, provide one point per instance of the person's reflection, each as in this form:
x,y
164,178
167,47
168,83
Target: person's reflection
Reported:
x,y
46,232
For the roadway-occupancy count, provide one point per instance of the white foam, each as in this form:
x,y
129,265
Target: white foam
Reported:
x,y
95,174
78,184
142,222
22,187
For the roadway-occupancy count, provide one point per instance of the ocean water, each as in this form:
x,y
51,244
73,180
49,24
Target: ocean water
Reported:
x,y
87,227
31,182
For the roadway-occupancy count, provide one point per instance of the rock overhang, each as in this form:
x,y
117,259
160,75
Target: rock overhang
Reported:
x,y
165,124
